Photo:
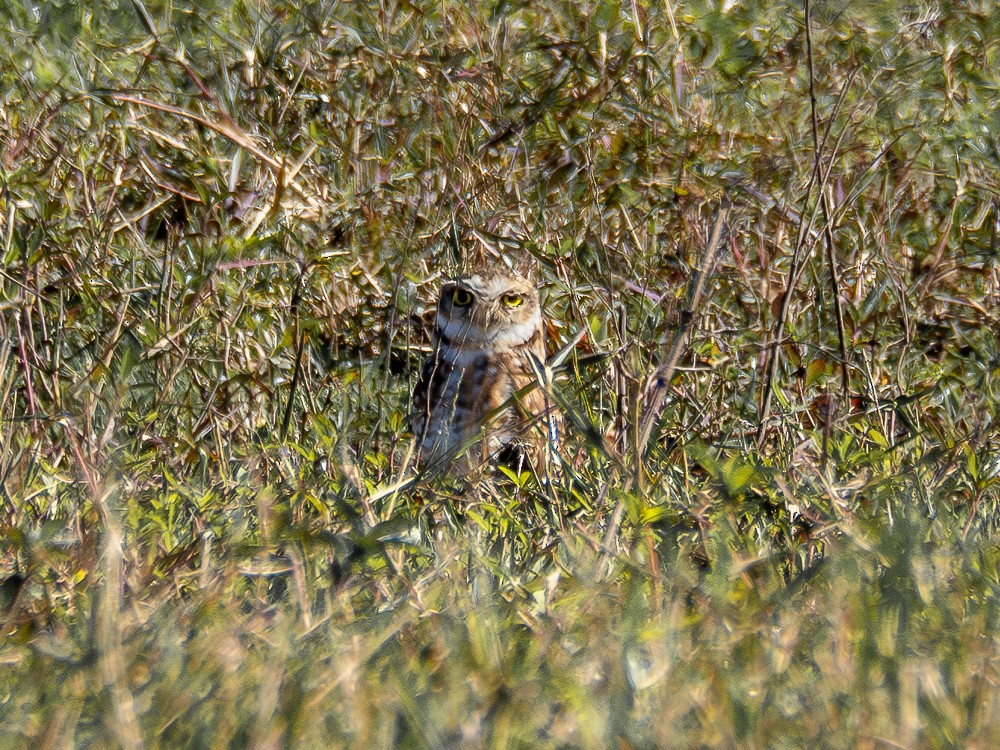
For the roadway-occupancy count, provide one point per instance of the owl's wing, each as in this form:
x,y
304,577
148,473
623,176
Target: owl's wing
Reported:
x,y
428,391
421,402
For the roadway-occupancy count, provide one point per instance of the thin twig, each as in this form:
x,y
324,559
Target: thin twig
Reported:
x,y
831,253
297,374
806,220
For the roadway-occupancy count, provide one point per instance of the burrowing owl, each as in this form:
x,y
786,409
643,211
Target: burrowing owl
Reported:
x,y
476,389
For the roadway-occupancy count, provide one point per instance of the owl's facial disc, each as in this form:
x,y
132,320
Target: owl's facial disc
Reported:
x,y
496,310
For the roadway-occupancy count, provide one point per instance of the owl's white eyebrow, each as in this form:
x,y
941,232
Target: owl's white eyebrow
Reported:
x,y
490,289
498,287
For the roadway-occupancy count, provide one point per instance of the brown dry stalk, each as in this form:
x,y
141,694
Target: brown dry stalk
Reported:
x,y
659,382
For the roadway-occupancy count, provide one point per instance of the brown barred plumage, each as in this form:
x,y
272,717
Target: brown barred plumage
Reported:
x,y
466,397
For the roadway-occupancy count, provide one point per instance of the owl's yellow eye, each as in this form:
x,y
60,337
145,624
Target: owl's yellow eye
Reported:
x,y
513,300
461,298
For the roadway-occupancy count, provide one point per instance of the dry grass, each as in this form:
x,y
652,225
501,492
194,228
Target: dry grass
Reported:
x,y
222,227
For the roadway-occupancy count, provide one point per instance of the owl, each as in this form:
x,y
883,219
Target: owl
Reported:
x,y
478,389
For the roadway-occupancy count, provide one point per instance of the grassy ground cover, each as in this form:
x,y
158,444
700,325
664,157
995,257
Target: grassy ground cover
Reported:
x,y
222,228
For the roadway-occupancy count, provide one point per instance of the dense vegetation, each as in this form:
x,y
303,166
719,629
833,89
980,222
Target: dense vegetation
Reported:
x,y
222,228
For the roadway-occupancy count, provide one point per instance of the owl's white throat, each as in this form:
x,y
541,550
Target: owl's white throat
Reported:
x,y
518,333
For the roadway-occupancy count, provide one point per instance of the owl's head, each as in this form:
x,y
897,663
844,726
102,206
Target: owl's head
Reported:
x,y
489,308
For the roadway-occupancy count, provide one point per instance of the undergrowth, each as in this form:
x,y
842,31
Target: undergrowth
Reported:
x,y
223,226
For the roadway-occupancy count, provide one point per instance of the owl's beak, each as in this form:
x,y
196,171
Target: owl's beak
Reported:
x,y
493,314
